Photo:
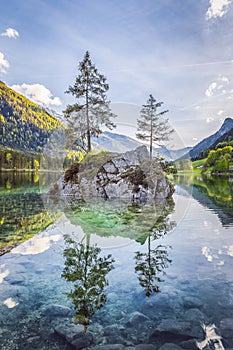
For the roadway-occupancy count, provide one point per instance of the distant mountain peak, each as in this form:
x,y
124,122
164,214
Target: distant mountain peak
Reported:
x,y
120,143
211,140
228,123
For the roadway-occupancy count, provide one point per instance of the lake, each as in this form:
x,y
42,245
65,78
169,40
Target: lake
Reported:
x,y
113,274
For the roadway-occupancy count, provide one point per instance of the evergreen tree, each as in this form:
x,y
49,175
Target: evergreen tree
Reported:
x,y
151,127
92,109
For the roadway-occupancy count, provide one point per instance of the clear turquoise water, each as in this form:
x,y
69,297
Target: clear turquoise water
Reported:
x,y
164,285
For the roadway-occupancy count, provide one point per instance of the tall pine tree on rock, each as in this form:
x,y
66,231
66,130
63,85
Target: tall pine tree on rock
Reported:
x,y
92,110
151,127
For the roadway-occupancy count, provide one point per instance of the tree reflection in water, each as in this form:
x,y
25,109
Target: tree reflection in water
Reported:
x,y
87,270
150,266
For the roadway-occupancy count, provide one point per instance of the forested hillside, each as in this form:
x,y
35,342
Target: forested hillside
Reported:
x,y
23,124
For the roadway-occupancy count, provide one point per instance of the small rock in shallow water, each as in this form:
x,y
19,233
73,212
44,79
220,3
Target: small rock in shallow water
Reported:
x,y
145,347
170,346
192,302
110,347
194,315
75,335
136,318
56,310
189,344
226,327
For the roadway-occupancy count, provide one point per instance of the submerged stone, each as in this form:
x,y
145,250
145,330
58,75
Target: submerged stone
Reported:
x,y
226,327
136,318
56,310
170,346
145,347
192,302
110,347
75,335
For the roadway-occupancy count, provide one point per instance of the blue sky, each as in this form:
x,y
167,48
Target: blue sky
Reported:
x,y
179,51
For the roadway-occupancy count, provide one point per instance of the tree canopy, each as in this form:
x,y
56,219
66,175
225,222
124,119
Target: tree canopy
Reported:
x,y
151,126
92,110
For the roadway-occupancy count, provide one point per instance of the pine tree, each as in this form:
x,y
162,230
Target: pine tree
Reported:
x,y
151,127
92,109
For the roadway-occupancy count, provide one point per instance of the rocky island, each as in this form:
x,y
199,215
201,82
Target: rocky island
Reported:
x,y
132,175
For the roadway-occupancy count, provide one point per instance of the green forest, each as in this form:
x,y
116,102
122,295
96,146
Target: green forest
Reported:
x,y
25,130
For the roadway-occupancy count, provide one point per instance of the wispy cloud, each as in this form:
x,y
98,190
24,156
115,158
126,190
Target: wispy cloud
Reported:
x,y
38,93
211,88
217,8
10,33
4,64
218,86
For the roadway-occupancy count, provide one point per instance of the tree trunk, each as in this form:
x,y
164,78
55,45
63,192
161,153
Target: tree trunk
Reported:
x,y
88,124
151,136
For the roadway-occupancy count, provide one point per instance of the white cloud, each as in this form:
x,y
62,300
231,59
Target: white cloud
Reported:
x,y
218,8
206,253
38,93
10,303
36,245
10,33
211,89
209,120
4,64
218,86
224,79
220,112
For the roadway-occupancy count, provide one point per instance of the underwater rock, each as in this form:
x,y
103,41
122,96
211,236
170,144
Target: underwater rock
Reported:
x,y
226,327
129,175
194,314
192,302
162,303
170,346
56,310
189,344
172,330
75,335
14,291
136,318
110,347
113,329
15,278
145,347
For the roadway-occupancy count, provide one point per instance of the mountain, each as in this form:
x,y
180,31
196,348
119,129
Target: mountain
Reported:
x,y
114,142
222,134
24,125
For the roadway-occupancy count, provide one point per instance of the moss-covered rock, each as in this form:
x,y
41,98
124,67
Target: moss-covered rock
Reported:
x,y
109,175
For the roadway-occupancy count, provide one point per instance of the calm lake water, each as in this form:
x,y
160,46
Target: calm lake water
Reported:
x,y
140,275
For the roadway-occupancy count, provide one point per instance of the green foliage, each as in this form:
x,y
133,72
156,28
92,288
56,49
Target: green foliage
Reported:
x,y
87,270
23,124
224,144
204,153
219,160
150,267
118,218
184,164
151,127
221,165
92,109
22,216
219,189
18,160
